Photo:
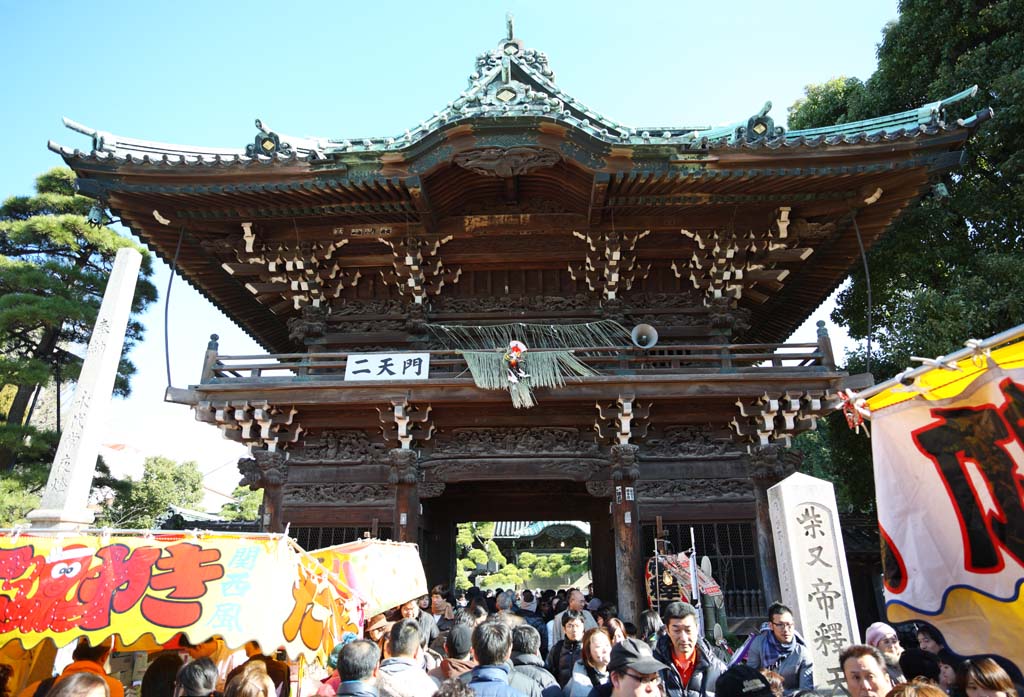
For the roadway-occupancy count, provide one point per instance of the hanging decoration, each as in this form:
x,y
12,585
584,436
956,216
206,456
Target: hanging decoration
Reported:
x,y
515,356
551,348
600,334
492,370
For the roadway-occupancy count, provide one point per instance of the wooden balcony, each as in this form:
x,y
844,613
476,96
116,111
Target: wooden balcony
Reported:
x,y
669,370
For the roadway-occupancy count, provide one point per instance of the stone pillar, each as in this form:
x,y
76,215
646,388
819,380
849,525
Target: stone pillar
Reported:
x,y
267,470
626,526
768,466
404,473
65,501
813,573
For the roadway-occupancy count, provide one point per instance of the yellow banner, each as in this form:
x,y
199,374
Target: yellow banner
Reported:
x,y
63,586
381,574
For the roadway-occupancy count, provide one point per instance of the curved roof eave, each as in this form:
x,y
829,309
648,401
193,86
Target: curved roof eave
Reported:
x,y
511,82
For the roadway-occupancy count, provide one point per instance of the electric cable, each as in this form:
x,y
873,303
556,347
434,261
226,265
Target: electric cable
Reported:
x,y
867,278
167,306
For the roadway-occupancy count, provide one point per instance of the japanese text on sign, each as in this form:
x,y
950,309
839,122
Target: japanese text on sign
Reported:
x,y
77,588
387,366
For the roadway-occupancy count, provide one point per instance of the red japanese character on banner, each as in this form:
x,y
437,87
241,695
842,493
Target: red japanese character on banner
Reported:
x,y
42,587
187,569
117,584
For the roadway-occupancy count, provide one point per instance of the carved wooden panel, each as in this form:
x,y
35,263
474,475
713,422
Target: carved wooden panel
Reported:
x,y
689,490
576,469
491,442
686,442
340,446
348,494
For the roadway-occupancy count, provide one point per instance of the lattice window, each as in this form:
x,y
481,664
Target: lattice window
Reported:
x,y
732,548
317,538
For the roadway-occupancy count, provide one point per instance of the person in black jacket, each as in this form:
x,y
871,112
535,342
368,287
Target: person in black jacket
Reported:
x,y
693,668
527,661
567,651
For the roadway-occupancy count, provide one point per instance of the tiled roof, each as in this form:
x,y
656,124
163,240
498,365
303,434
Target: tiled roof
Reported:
x,y
519,529
514,83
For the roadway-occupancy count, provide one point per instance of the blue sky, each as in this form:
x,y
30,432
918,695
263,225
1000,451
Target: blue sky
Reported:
x,y
201,72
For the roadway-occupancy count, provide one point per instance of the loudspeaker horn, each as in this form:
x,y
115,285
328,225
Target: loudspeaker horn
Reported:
x,y
644,335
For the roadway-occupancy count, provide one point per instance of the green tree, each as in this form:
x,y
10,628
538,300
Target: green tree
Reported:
x,y
246,504
827,104
54,267
477,550
164,483
20,490
949,269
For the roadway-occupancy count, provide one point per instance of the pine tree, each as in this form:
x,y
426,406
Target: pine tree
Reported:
x,y
54,266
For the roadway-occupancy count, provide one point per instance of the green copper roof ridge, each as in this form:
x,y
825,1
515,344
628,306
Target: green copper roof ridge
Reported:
x,y
926,115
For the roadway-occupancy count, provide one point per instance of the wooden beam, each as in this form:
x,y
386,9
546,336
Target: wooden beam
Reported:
x,y
598,198
421,202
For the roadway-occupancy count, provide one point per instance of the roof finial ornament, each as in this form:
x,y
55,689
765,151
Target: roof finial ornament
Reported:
x,y
510,23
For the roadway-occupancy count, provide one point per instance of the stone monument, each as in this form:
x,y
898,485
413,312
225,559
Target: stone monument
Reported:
x,y
65,502
813,574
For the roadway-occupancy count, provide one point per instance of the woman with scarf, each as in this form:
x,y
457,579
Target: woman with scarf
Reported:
x,y
779,648
592,668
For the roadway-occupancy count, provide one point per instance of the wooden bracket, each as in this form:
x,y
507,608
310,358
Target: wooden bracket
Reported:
x,y
778,417
733,266
617,423
416,271
611,265
404,423
260,424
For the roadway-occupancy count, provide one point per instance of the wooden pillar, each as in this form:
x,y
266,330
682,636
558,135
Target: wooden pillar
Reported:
x,y
768,466
268,471
626,530
404,471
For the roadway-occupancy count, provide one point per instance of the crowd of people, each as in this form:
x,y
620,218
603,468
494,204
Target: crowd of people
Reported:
x,y
550,645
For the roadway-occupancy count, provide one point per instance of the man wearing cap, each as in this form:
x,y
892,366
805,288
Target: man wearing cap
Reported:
x,y
692,668
633,671
458,647
377,629
742,681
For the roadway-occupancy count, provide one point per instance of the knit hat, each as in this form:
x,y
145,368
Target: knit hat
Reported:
x,y
878,631
742,681
459,641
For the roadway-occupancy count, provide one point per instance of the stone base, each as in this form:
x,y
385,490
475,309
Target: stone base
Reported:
x,y
59,519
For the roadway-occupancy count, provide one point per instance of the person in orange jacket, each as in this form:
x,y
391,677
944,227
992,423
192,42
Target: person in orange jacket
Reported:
x,y
86,659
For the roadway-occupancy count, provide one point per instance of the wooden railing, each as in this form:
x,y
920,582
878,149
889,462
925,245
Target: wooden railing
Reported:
x,y
675,359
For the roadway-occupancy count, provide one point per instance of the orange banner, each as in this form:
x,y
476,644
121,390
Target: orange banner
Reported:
x,y
382,574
